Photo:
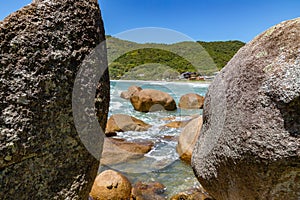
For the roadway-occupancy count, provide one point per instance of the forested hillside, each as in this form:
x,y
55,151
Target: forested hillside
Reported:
x,y
221,52
130,60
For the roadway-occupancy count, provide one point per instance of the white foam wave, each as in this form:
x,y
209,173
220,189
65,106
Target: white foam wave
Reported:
x,y
115,106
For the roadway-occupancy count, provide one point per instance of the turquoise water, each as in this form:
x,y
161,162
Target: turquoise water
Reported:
x,y
162,163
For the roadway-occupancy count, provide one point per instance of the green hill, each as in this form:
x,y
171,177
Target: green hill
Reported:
x,y
221,52
130,60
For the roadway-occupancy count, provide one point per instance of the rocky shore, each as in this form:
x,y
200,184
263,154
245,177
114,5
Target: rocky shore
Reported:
x,y
111,184
242,143
119,150
248,145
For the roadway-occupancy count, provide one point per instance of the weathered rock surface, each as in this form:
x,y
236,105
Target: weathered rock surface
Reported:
x,y
176,124
192,194
131,90
148,191
152,100
119,150
188,138
249,146
122,123
111,185
191,101
42,47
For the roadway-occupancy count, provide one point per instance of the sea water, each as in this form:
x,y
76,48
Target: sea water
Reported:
x,y
162,163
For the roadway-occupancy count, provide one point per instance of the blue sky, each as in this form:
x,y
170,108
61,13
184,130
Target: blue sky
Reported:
x,y
206,20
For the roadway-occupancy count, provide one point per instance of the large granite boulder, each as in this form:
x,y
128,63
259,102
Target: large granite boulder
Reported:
x,y
121,123
112,185
148,191
152,100
117,150
188,138
191,101
130,91
249,146
44,48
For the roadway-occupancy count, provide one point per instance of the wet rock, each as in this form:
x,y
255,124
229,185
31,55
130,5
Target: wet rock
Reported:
x,y
43,47
119,150
188,138
148,191
169,138
192,194
176,124
249,143
191,101
122,123
152,100
111,185
130,92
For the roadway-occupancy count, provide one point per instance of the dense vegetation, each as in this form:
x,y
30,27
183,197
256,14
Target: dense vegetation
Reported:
x,y
221,52
129,60
143,59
